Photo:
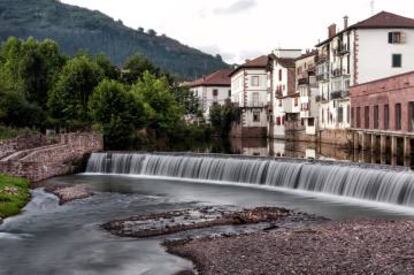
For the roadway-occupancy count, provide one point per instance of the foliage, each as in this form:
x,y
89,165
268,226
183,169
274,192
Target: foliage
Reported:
x,y
188,100
222,117
117,112
14,194
77,28
109,70
8,133
135,67
164,111
68,100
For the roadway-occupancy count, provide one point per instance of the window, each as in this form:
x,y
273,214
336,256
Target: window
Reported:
x,y
311,122
396,37
229,93
278,121
353,117
376,117
396,60
386,117
215,93
348,114
296,102
366,116
358,117
255,99
255,81
398,116
256,116
280,75
340,114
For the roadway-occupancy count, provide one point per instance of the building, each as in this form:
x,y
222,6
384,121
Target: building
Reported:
x,y
383,113
212,89
378,47
284,106
250,93
307,88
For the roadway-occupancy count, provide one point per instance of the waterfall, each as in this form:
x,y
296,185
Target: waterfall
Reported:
x,y
347,180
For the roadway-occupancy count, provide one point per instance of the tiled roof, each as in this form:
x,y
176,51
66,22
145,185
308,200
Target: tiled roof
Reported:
x,y
257,63
308,54
218,78
382,20
285,62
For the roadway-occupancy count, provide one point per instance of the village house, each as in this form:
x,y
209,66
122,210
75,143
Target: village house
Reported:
x,y
378,47
212,89
307,88
249,86
284,106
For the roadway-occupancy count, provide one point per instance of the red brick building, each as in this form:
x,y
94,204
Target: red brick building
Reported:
x,y
384,105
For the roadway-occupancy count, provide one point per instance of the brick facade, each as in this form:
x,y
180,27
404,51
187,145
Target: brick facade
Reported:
x,y
393,98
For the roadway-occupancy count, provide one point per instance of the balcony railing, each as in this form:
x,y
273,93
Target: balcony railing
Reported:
x,y
342,49
321,58
339,94
303,81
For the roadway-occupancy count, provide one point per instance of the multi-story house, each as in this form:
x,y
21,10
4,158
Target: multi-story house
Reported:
x,y
250,93
284,106
212,89
307,88
378,47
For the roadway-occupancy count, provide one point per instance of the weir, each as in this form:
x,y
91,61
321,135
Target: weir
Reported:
x,y
347,180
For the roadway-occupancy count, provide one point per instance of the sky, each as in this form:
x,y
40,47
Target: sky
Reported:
x,y
243,29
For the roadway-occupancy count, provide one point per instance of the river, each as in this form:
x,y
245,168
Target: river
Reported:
x,y
52,239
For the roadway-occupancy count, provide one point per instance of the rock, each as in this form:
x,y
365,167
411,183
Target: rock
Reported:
x,y
70,193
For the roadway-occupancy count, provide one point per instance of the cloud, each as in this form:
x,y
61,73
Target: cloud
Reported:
x,y
236,7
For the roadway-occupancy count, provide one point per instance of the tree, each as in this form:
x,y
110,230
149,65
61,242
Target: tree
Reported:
x,y
165,111
110,71
116,111
152,32
222,117
135,67
68,100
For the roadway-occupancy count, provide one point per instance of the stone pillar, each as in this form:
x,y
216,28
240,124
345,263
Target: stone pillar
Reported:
x,y
364,142
373,144
407,147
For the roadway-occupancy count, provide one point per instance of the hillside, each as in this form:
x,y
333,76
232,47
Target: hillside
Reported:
x,y
76,28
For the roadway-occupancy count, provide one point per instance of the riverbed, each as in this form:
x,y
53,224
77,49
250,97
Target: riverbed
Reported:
x,y
52,239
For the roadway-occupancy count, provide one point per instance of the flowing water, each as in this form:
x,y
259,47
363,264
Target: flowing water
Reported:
x,y
52,239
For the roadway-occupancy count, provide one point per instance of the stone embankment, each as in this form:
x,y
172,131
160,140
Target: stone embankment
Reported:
x,y
37,158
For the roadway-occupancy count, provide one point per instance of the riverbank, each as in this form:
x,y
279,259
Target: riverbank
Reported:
x,y
14,195
350,247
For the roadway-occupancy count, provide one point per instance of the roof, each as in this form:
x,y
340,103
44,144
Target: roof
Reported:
x,y
285,62
384,79
218,78
260,62
382,20
308,54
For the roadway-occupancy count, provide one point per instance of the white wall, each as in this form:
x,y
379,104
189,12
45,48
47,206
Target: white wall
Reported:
x,y
375,54
206,98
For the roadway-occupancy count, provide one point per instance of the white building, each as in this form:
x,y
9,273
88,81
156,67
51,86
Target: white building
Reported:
x,y
307,88
250,93
283,101
378,47
212,89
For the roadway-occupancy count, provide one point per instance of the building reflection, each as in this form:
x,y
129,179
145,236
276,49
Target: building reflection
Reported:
x,y
303,150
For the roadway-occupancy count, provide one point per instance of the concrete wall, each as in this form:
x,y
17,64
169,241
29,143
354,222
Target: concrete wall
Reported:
x,y
376,64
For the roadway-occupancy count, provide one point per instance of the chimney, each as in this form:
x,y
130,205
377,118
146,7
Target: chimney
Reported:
x,y
332,30
346,18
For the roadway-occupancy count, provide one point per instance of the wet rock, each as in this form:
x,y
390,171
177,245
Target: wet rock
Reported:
x,y
69,193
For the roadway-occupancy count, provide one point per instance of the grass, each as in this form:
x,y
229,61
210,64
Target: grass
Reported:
x,y
16,198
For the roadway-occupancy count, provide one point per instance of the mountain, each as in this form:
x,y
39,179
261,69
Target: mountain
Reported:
x,y
77,28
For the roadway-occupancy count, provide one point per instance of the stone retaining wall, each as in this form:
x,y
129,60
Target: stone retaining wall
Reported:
x,y
11,146
54,160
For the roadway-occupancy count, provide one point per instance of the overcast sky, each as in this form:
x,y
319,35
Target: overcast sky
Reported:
x,y
241,29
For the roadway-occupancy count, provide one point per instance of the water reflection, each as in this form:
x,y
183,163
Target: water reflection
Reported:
x,y
288,149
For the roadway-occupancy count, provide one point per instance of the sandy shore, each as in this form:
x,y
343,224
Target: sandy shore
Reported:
x,y
353,247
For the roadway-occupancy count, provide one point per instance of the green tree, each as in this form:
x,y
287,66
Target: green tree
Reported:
x,y
135,67
222,117
116,111
166,113
110,71
68,100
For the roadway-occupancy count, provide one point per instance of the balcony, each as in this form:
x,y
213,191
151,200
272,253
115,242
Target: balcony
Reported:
x,y
338,72
303,81
339,94
342,49
321,58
